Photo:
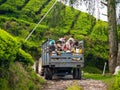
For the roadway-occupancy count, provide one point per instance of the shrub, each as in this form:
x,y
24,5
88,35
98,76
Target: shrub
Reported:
x,y
3,84
34,5
21,79
32,48
7,8
24,57
90,69
100,32
83,24
12,5
116,85
8,48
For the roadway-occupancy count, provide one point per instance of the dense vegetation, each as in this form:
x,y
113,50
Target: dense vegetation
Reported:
x,y
15,66
19,17
61,21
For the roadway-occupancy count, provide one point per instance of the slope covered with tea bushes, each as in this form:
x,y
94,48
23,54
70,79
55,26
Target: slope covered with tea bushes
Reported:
x,y
61,21
15,66
19,17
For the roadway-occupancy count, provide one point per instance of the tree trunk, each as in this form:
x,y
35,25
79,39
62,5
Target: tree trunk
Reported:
x,y
113,37
118,58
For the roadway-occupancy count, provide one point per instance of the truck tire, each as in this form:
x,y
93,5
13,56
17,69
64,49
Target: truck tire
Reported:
x,y
48,73
42,72
38,66
76,73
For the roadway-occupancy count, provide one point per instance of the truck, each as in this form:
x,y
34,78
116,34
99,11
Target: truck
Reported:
x,y
65,63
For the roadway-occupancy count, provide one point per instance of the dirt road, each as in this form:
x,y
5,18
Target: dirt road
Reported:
x,y
63,83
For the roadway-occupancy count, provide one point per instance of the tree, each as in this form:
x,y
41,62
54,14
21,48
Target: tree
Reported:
x,y
112,29
113,37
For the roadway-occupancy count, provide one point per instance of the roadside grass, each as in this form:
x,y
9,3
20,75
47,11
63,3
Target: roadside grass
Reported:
x,y
107,79
104,78
96,74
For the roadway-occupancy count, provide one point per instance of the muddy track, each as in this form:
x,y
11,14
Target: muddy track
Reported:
x,y
63,83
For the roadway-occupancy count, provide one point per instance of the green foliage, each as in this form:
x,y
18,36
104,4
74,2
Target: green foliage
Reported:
x,y
105,78
7,8
70,15
83,24
20,79
8,48
21,28
24,57
1,1
34,76
32,8
100,32
97,50
110,83
12,5
32,48
34,5
116,85
96,54
3,84
93,70
12,74
46,8
56,16
19,19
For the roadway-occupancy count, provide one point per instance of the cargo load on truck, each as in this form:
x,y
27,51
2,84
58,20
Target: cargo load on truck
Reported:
x,y
62,46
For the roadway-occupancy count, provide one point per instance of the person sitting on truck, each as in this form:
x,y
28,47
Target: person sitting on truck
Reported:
x,y
68,46
71,38
52,45
51,42
75,47
80,50
59,45
63,39
76,44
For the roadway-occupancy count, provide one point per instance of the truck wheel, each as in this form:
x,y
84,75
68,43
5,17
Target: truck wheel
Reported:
x,y
77,73
48,74
42,72
38,65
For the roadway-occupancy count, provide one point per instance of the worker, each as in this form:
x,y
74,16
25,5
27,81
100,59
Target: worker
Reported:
x,y
59,45
68,46
71,38
52,45
63,39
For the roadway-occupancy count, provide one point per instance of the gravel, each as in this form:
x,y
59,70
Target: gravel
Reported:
x,y
62,83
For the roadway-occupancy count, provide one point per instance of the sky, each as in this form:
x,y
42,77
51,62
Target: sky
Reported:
x,y
93,7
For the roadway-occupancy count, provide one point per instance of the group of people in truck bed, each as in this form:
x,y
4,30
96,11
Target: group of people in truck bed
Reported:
x,y
62,44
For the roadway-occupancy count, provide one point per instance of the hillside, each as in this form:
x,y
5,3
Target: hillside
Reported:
x,y
15,66
17,20
20,17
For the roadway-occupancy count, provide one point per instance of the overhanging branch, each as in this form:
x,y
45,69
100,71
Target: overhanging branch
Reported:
x,y
104,3
104,14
